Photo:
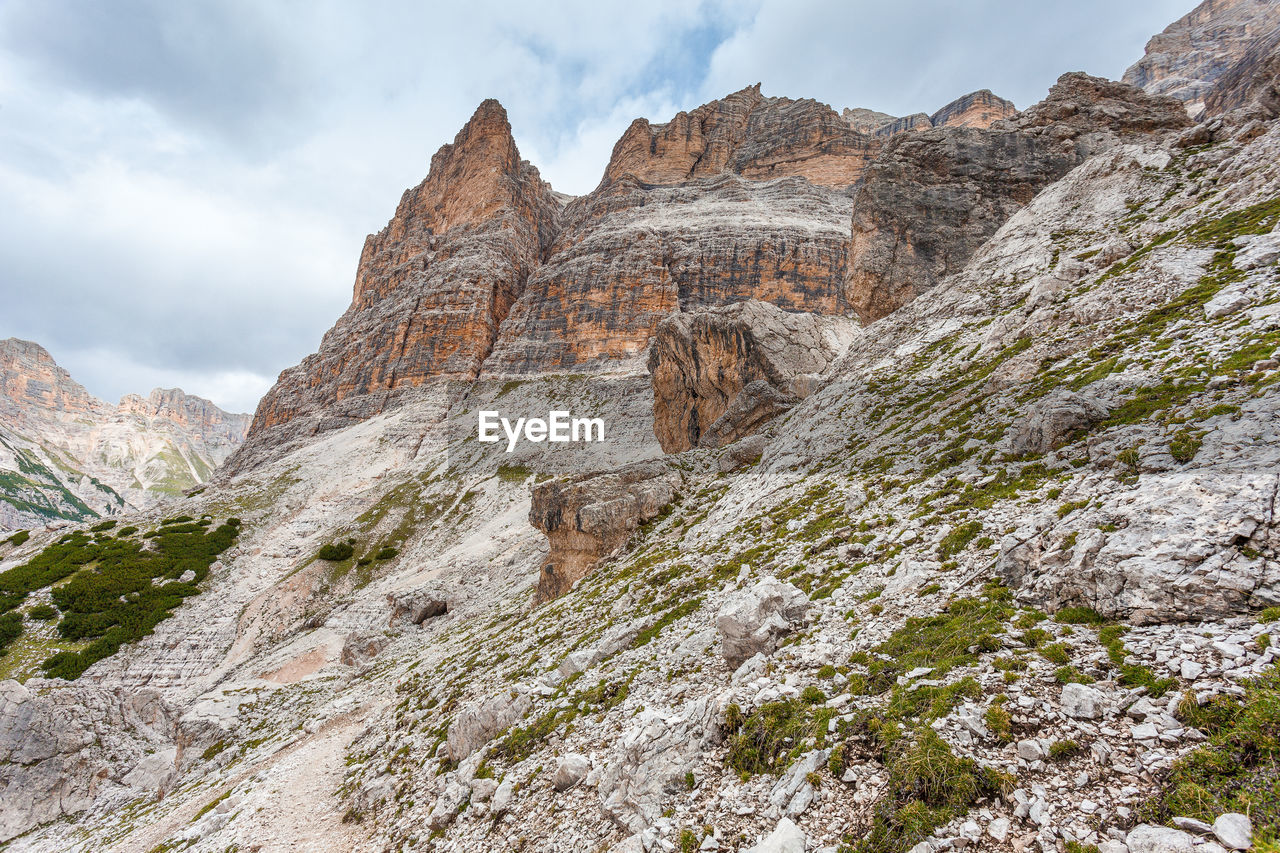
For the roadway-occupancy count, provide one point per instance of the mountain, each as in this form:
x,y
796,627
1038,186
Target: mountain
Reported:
x,y
1187,58
934,510
65,454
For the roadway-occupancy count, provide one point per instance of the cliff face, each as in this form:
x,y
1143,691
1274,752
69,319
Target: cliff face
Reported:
x,y
433,286
482,272
1252,82
701,362
1186,59
66,454
933,197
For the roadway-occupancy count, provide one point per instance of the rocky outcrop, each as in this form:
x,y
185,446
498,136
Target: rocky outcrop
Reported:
x,y
632,254
753,620
1252,82
915,121
1053,419
720,373
432,287
589,517
748,134
61,748
72,456
976,109
933,197
1186,59
864,120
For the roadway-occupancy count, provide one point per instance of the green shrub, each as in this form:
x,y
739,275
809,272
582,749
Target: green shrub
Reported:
x,y
18,538
1056,653
1071,675
1063,750
958,539
10,629
928,786
942,642
1185,444
103,525
1235,770
1079,616
42,612
999,723
126,532
112,596
1266,617
335,552
386,553
775,733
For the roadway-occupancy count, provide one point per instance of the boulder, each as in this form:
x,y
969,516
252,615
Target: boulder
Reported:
x,y
361,647
785,838
477,724
752,621
1159,839
1081,702
416,606
571,770
1234,831
1051,420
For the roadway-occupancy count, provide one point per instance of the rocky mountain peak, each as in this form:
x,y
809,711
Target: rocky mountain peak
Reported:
x,y
976,109
746,133
1190,54
65,454
30,378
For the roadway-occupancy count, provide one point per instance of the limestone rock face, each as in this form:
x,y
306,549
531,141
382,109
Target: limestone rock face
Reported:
x,y
933,197
1187,58
753,620
864,120
1253,81
976,109
701,362
631,254
433,286
591,516
74,456
748,134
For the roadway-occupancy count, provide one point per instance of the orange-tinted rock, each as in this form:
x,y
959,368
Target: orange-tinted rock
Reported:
x,y
906,124
587,518
433,286
632,254
748,134
976,109
864,120
701,362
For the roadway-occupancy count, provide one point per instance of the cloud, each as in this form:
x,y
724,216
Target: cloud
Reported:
x,y
187,186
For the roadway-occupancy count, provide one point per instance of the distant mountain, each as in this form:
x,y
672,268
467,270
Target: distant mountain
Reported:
x,y
65,454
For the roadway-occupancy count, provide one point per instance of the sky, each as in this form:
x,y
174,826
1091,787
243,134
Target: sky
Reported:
x,y
185,187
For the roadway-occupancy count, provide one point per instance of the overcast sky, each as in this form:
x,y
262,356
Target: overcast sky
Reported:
x,y
185,187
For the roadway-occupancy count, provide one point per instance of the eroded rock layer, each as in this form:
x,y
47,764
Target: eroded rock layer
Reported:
x,y
702,362
1190,54
932,197
434,285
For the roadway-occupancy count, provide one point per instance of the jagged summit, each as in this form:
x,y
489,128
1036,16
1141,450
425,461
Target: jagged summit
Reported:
x,y
65,454
484,271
